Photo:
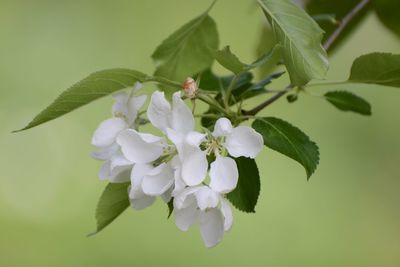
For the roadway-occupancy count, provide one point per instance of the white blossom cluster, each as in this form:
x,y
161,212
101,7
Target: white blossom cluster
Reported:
x,y
194,169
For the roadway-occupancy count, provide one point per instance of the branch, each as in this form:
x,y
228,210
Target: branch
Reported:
x,y
343,23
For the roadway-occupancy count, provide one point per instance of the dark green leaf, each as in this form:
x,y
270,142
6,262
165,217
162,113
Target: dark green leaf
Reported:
x,y
170,205
300,38
245,195
189,50
283,137
388,14
112,203
252,90
212,82
209,81
376,68
347,101
95,86
292,98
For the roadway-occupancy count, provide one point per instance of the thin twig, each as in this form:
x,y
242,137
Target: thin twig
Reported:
x,y
343,23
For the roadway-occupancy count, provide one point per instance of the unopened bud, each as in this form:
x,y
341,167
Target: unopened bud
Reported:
x,y
190,88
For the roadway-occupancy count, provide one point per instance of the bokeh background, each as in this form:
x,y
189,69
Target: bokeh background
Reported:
x,y
346,215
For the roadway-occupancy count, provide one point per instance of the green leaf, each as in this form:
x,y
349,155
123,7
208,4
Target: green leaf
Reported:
x,y
257,88
189,50
112,203
170,205
376,68
231,62
388,14
212,82
245,195
347,101
94,86
283,137
300,38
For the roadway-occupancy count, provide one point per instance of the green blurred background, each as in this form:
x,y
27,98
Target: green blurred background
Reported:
x,y
346,215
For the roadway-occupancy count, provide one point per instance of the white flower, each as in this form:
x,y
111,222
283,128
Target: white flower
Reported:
x,y
159,169
178,117
147,182
241,141
202,205
116,167
237,141
127,105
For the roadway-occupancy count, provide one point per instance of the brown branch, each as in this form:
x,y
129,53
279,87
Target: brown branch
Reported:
x,y
343,23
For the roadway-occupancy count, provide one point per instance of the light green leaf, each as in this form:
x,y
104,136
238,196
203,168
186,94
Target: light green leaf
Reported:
x,y
188,50
376,68
283,137
94,86
112,203
300,38
230,61
347,101
245,195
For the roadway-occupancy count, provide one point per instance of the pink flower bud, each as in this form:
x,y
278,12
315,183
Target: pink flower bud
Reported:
x,y
190,88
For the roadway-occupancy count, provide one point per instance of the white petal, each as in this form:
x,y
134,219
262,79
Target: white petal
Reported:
x,y
139,200
194,166
158,180
185,198
224,175
138,172
136,87
206,198
107,132
105,169
106,153
244,141
133,106
138,147
194,138
222,127
182,119
184,218
120,106
120,96
119,174
211,227
179,184
159,111
167,195
176,138
227,213
142,201
118,160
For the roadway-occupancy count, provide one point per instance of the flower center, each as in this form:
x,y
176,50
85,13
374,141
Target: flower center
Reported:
x,y
213,145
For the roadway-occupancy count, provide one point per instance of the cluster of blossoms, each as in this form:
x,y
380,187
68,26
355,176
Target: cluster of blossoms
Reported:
x,y
193,170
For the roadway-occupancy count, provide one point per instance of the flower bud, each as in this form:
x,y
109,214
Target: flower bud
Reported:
x,y
190,88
